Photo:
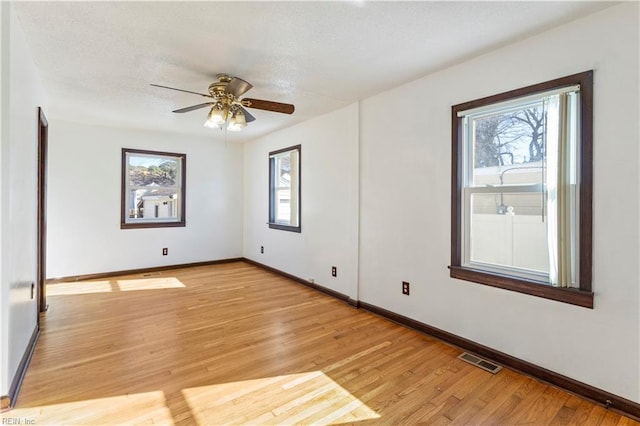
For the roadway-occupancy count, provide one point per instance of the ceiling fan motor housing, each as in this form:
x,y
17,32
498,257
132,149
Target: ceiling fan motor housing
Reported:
x,y
215,89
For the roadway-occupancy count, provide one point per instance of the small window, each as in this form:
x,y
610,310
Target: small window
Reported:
x,y
284,189
521,195
152,189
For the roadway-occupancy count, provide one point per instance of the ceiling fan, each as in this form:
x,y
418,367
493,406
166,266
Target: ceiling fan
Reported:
x,y
227,108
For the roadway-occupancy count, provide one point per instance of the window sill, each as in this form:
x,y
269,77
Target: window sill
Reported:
x,y
282,227
152,225
533,288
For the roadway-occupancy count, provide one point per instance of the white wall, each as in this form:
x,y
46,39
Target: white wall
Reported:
x,y
375,203
85,172
329,204
22,93
403,226
405,206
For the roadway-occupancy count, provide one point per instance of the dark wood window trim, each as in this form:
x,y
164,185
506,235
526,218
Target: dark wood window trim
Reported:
x,y
582,296
123,191
272,224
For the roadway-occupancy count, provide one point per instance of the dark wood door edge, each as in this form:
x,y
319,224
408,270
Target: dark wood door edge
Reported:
x,y
43,142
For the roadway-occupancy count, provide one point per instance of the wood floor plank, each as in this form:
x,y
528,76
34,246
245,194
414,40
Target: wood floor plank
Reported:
x,y
235,344
530,391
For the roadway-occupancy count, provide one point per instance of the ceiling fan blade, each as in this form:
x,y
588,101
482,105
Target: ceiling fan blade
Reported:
x,y
238,87
193,108
248,117
181,90
268,105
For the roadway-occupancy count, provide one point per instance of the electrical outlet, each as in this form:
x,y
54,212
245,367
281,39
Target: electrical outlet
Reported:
x,y
261,249
334,271
405,288
165,251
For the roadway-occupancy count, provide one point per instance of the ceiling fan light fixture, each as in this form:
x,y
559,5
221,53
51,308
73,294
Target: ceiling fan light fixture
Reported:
x,y
240,119
227,108
233,125
211,125
215,117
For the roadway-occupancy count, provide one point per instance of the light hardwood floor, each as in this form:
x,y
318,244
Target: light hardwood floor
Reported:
x,y
235,344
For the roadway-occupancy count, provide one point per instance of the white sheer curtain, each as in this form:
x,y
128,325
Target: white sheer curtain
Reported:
x,y
294,168
552,133
560,187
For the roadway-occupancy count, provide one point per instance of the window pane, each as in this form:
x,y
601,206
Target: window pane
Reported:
x,y
154,189
514,203
283,189
509,230
284,170
284,203
145,170
508,146
153,204
153,182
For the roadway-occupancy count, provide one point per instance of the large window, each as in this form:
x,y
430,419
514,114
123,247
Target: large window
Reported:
x,y
521,194
152,189
284,189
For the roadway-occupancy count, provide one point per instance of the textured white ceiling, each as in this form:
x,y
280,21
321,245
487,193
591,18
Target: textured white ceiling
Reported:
x,y
98,58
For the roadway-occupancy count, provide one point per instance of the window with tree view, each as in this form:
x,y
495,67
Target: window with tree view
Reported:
x,y
522,190
152,189
284,189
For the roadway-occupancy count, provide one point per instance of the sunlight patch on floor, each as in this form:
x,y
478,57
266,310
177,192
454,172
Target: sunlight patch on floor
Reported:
x,y
149,284
80,287
306,398
89,287
148,407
